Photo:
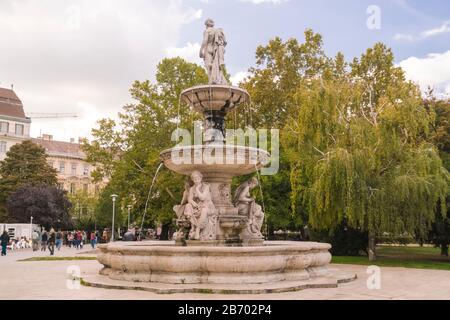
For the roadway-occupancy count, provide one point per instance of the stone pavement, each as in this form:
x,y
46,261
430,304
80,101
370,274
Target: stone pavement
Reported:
x,y
48,280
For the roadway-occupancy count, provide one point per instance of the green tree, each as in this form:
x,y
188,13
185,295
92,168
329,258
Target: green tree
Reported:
x,y
360,151
281,67
83,210
48,206
25,164
104,209
440,232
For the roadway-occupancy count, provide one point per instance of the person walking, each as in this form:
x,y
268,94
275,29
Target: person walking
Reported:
x,y
105,236
79,238
93,240
84,238
59,239
70,239
44,240
35,241
4,239
51,242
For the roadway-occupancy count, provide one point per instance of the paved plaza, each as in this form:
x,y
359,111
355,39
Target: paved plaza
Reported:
x,y
48,280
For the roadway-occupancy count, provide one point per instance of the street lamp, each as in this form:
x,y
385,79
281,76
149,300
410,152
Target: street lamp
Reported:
x,y
129,211
114,198
31,227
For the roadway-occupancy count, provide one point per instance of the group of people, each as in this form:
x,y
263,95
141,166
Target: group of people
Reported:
x,y
71,239
51,240
13,244
43,240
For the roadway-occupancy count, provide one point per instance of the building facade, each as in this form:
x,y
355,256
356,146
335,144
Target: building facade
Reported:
x,y
14,125
74,173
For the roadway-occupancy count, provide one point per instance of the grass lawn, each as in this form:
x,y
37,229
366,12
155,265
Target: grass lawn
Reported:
x,y
402,256
58,259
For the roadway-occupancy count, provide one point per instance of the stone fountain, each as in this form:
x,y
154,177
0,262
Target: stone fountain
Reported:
x,y
219,247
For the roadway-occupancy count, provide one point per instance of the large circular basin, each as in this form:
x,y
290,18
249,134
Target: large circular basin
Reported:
x,y
170,264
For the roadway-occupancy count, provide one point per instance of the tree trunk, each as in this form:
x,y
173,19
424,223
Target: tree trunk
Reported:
x,y
444,250
372,247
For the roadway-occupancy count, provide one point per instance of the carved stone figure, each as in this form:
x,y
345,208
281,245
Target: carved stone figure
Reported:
x,y
247,206
200,210
183,223
213,53
179,209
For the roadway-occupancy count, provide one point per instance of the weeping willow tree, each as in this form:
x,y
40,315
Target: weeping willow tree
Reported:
x,y
359,149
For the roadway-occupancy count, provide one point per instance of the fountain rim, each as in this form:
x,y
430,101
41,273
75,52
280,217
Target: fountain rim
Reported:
x,y
214,146
214,86
270,247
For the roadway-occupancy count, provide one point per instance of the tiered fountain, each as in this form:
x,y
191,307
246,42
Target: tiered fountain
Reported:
x,y
219,246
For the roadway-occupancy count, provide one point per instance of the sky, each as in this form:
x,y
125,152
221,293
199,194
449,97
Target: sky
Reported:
x,y
81,56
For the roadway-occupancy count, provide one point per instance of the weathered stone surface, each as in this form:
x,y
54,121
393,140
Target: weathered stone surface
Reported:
x,y
98,281
273,262
207,98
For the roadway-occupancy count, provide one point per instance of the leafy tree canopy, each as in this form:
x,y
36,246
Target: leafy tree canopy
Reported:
x,y
360,149
48,205
25,164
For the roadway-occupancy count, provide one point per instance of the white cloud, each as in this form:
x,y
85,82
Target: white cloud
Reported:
x,y
239,77
433,70
190,52
265,1
401,36
444,28
82,56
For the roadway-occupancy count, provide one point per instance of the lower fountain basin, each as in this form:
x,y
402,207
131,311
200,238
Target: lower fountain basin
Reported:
x,y
170,264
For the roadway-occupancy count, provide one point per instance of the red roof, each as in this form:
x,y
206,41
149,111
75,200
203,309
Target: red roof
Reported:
x,y
10,104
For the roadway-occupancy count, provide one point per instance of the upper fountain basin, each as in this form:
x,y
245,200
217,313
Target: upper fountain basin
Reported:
x,y
214,98
217,160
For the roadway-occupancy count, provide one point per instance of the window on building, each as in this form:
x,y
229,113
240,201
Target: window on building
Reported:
x,y
19,129
73,188
2,146
86,171
85,188
4,127
74,169
62,168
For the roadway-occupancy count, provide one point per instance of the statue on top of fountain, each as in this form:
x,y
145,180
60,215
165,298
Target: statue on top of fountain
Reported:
x,y
213,53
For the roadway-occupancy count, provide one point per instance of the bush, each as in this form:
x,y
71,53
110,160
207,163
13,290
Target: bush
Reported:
x,y
346,241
